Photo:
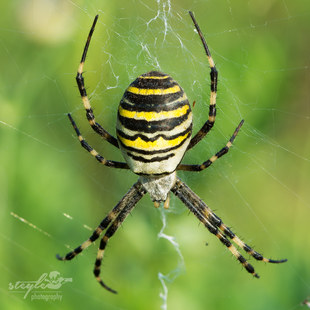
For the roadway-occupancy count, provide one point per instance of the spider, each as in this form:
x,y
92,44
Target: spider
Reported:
x,y
154,126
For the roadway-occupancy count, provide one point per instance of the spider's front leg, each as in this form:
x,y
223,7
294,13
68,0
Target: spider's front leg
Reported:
x,y
103,225
112,221
215,225
110,232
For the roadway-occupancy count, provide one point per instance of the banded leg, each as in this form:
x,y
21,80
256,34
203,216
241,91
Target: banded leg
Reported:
x,y
213,223
131,195
80,82
102,160
227,231
112,229
212,107
211,160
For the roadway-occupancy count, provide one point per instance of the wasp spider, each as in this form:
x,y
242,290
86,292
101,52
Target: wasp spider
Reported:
x,y
154,125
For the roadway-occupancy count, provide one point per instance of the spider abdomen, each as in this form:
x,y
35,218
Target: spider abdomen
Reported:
x,y
154,124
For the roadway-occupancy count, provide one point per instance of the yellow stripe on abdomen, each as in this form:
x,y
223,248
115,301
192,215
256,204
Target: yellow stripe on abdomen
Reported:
x,y
155,91
153,116
150,77
158,144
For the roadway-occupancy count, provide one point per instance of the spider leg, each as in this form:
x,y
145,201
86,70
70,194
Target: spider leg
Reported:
x,y
211,160
214,224
216,221
129,203
132,196
227,231
212,106
102,160
80,82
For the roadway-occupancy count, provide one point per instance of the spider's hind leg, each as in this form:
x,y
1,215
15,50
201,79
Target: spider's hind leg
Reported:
x,y
93,152
215,157
214,77
80,82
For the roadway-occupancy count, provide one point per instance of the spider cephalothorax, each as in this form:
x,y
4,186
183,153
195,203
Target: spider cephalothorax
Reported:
x,y
154,126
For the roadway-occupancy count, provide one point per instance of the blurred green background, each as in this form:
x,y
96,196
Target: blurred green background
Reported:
x,y
260,189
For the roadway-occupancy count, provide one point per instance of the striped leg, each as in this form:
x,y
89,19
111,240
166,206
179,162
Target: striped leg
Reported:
x,y
227,231
210,161
135,191
213,74
102,160
80,82
214,224
130,204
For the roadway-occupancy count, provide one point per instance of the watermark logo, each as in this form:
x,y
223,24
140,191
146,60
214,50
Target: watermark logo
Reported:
x,y
45,288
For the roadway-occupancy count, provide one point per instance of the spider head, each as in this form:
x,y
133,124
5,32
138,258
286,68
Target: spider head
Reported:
x,y
158,186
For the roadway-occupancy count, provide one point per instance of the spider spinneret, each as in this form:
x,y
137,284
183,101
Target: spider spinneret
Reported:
x,y
154,126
